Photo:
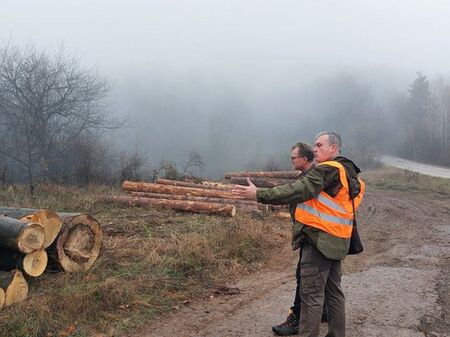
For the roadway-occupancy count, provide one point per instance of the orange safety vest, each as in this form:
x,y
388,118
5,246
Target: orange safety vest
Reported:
x,y
332,215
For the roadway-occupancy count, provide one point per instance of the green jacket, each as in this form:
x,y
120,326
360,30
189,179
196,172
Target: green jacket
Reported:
x,y
320,178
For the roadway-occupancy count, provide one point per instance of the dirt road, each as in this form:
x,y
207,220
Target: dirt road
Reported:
x,y
398,287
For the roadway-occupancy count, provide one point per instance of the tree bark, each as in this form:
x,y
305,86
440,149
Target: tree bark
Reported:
x,y
215,185
264,174
241,204
14,285
32,264
78,244
2,298
282,214
260,182
167,189
182,205
20,236
195,198
207,185
46,218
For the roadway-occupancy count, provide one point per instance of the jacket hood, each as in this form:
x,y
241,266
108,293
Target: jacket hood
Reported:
x,y
348,164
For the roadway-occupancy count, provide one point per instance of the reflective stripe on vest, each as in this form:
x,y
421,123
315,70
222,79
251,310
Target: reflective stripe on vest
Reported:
x,y
332,215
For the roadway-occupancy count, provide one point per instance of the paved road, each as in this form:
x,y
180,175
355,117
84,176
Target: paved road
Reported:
x,y
431,170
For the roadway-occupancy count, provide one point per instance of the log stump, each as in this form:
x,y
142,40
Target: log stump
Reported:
x,y
46,218
14,285
20,236
78,244
32,264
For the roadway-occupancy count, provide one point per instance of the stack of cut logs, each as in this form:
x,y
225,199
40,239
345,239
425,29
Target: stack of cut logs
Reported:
x,y
33,240
204,197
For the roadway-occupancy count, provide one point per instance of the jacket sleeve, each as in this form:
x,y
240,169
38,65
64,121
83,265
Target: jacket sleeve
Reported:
x,y
305,188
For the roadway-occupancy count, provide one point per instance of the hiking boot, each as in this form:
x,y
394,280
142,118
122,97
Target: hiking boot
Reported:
x,y
287,328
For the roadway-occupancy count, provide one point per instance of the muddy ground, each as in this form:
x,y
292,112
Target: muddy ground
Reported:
x,y
398,287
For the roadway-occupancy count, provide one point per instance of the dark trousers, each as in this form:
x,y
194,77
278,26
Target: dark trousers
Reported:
x,y
297,304
296,307
320,282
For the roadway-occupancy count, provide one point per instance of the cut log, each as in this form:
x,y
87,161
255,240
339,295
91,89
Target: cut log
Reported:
x,y
32,264
167,189
218,185
182,205
2,298
194,198
260,182
46,218
241,204
78,245
14,285
20,236
282,215
264,174
208,185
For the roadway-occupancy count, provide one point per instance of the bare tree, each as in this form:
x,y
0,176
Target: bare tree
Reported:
x,y
194,161
132,165
46,102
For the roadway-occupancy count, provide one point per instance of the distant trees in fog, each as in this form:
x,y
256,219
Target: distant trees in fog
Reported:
x,y
54,117
425,120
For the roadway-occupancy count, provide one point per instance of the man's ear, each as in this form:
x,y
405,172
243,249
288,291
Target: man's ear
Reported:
x,y
334,147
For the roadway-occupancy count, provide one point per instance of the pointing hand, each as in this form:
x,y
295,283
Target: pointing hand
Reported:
x,y
246,192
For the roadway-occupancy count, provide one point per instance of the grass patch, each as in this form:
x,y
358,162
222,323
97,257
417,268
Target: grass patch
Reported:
x,y
388,178
152,260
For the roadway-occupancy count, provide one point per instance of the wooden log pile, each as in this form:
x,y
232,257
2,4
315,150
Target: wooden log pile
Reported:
x,y
200,197
35,240
263,179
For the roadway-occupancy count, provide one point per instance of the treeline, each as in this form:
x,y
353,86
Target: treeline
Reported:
x,y
53,121
56,123
423,119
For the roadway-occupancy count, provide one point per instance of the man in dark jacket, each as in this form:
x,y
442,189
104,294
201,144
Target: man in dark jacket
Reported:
x,y
323,225
302,157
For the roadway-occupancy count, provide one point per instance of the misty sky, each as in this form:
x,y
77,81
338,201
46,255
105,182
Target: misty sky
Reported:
x,y
168,59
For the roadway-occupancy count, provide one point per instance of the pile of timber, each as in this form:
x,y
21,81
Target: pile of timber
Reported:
x,y
204,197
262,178
35,240
182,196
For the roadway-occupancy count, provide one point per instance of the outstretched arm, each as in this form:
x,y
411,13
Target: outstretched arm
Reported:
x,y
245,191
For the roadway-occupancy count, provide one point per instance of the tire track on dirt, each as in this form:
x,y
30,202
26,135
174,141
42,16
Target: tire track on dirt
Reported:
x,y
397,287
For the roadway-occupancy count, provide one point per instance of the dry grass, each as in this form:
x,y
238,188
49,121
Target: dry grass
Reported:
x,y
401,180
152,260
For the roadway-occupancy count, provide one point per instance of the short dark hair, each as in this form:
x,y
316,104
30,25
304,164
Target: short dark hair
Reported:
x,y
304,150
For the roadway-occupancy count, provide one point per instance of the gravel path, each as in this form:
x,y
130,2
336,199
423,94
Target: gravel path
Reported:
x,y
398,287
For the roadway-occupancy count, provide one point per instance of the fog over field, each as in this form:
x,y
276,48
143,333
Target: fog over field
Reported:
x,y
241,81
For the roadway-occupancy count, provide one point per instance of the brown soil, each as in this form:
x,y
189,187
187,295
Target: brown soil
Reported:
x,y
398,287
